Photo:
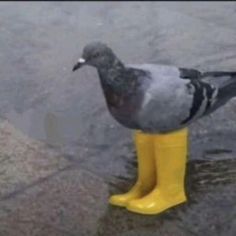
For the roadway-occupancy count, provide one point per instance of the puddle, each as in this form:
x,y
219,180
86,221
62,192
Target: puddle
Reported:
x,y
207,183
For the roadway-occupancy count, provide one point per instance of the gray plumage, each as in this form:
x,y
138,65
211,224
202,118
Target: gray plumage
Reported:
x,y
157,98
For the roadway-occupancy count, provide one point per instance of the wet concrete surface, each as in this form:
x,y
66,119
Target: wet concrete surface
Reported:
x,y
62,154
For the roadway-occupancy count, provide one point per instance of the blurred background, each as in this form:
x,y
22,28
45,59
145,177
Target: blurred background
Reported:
x,y
61,152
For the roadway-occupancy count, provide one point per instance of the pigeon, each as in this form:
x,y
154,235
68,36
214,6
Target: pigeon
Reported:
x,y
156,98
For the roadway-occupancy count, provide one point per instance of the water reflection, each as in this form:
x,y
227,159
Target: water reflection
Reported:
x,y
205,179
51,126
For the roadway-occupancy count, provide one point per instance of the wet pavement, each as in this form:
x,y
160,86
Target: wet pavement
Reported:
x,y
62,154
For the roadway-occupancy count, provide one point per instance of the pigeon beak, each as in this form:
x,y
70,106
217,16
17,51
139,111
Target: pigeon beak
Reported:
x,y
79,64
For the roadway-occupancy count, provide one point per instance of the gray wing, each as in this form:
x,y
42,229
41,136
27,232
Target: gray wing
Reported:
x,y
174,98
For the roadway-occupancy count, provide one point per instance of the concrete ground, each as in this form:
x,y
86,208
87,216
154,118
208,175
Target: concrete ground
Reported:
x,y
62,154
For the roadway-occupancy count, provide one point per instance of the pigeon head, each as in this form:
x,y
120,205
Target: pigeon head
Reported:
x,y
95,54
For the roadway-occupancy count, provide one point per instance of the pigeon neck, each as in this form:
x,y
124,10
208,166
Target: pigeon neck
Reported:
x,y
112,76
113,64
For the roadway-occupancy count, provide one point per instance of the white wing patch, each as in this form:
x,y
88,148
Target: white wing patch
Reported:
x,y
147,99
214,97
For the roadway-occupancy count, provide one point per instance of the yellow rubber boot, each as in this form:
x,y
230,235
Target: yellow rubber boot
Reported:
x,y
170,155
146,171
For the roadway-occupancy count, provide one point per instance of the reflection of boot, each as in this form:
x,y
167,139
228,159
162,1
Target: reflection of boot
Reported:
x,y
170,158
146,171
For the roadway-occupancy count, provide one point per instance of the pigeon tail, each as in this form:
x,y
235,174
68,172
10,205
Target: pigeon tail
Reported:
x,y
226,91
